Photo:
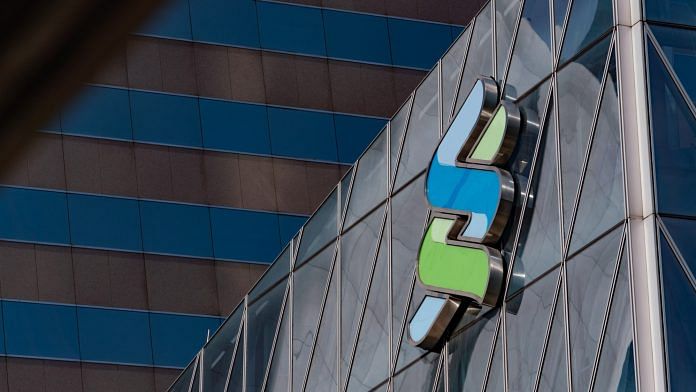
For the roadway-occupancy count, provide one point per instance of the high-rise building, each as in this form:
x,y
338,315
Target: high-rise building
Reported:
x,y
143,214
523,223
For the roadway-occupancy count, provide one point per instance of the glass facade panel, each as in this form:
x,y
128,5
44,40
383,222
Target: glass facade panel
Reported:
x,y
579,85
506,13
309,285
683,231
358,251
323,372
321,228
422,132
183,383
479,58
526,317
218,352
165,118
531,58
601,204
452,63
560,9
262,322
468,354
496,374
397,128
119,336
679,301
588,20
371,359
417,44
371,180
277,271
679,47
236,383
590,275
615,370
554,370
278,377
673,133
674,11
539,245
420,376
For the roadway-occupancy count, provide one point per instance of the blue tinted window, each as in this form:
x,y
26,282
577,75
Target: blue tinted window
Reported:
x,y
245,235
679,46
225,21
289,225
588,20
291,28
357,36
235,126
354,134
164,118
417,44
32,215
104,222
177,338
99,111
673,132
302,134
171,20
41,330
53,125
108,335
675,11
176,229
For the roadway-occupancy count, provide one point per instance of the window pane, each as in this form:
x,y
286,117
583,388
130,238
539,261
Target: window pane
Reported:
x,y
227,22
616,371
218,352
118,336
101,112
358,251
176,338
496,376
673,132
683,231
601,203
353,133
539,246
234,126
371,180
256,234
479,58
165,118
506,12
531,58
323,373
277,271
371,361
590,275
310,283
321,228
262,322
679,46
468,354
422,133
105,222
589,19
418,377
417,44
560,8
183,383
291,28
33,215
176,229
408,213
397,128
526,318
452,63
279,368
236,383
344,40
578,90
554,371
679,303
302,134
675,11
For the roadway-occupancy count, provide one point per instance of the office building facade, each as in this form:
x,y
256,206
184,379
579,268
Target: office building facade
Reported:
x,y
142,215
597,290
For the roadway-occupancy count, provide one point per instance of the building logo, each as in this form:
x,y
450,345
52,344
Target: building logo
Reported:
x,y
471,198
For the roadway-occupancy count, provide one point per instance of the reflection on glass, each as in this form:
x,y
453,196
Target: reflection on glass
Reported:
x,y
679,46
397,128
279,368
554,371
371,361
344,192
236,383
674,11
590,275
674,137
452,63
679,302
468,354
683,231
531,58
496,376
505,22
183,383
321,228
601,203
358,251
588,20
371,180
479,58
408,213
422,133
526,317
217,353
578,91
418,377
262,322
539,245
277,271
616,371
560,8
323,372
309,285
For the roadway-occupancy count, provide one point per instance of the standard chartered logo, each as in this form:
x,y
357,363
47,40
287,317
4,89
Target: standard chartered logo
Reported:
x,y
471,198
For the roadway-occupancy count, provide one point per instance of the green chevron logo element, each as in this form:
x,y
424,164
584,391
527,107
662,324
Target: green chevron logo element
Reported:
x,y
470,195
